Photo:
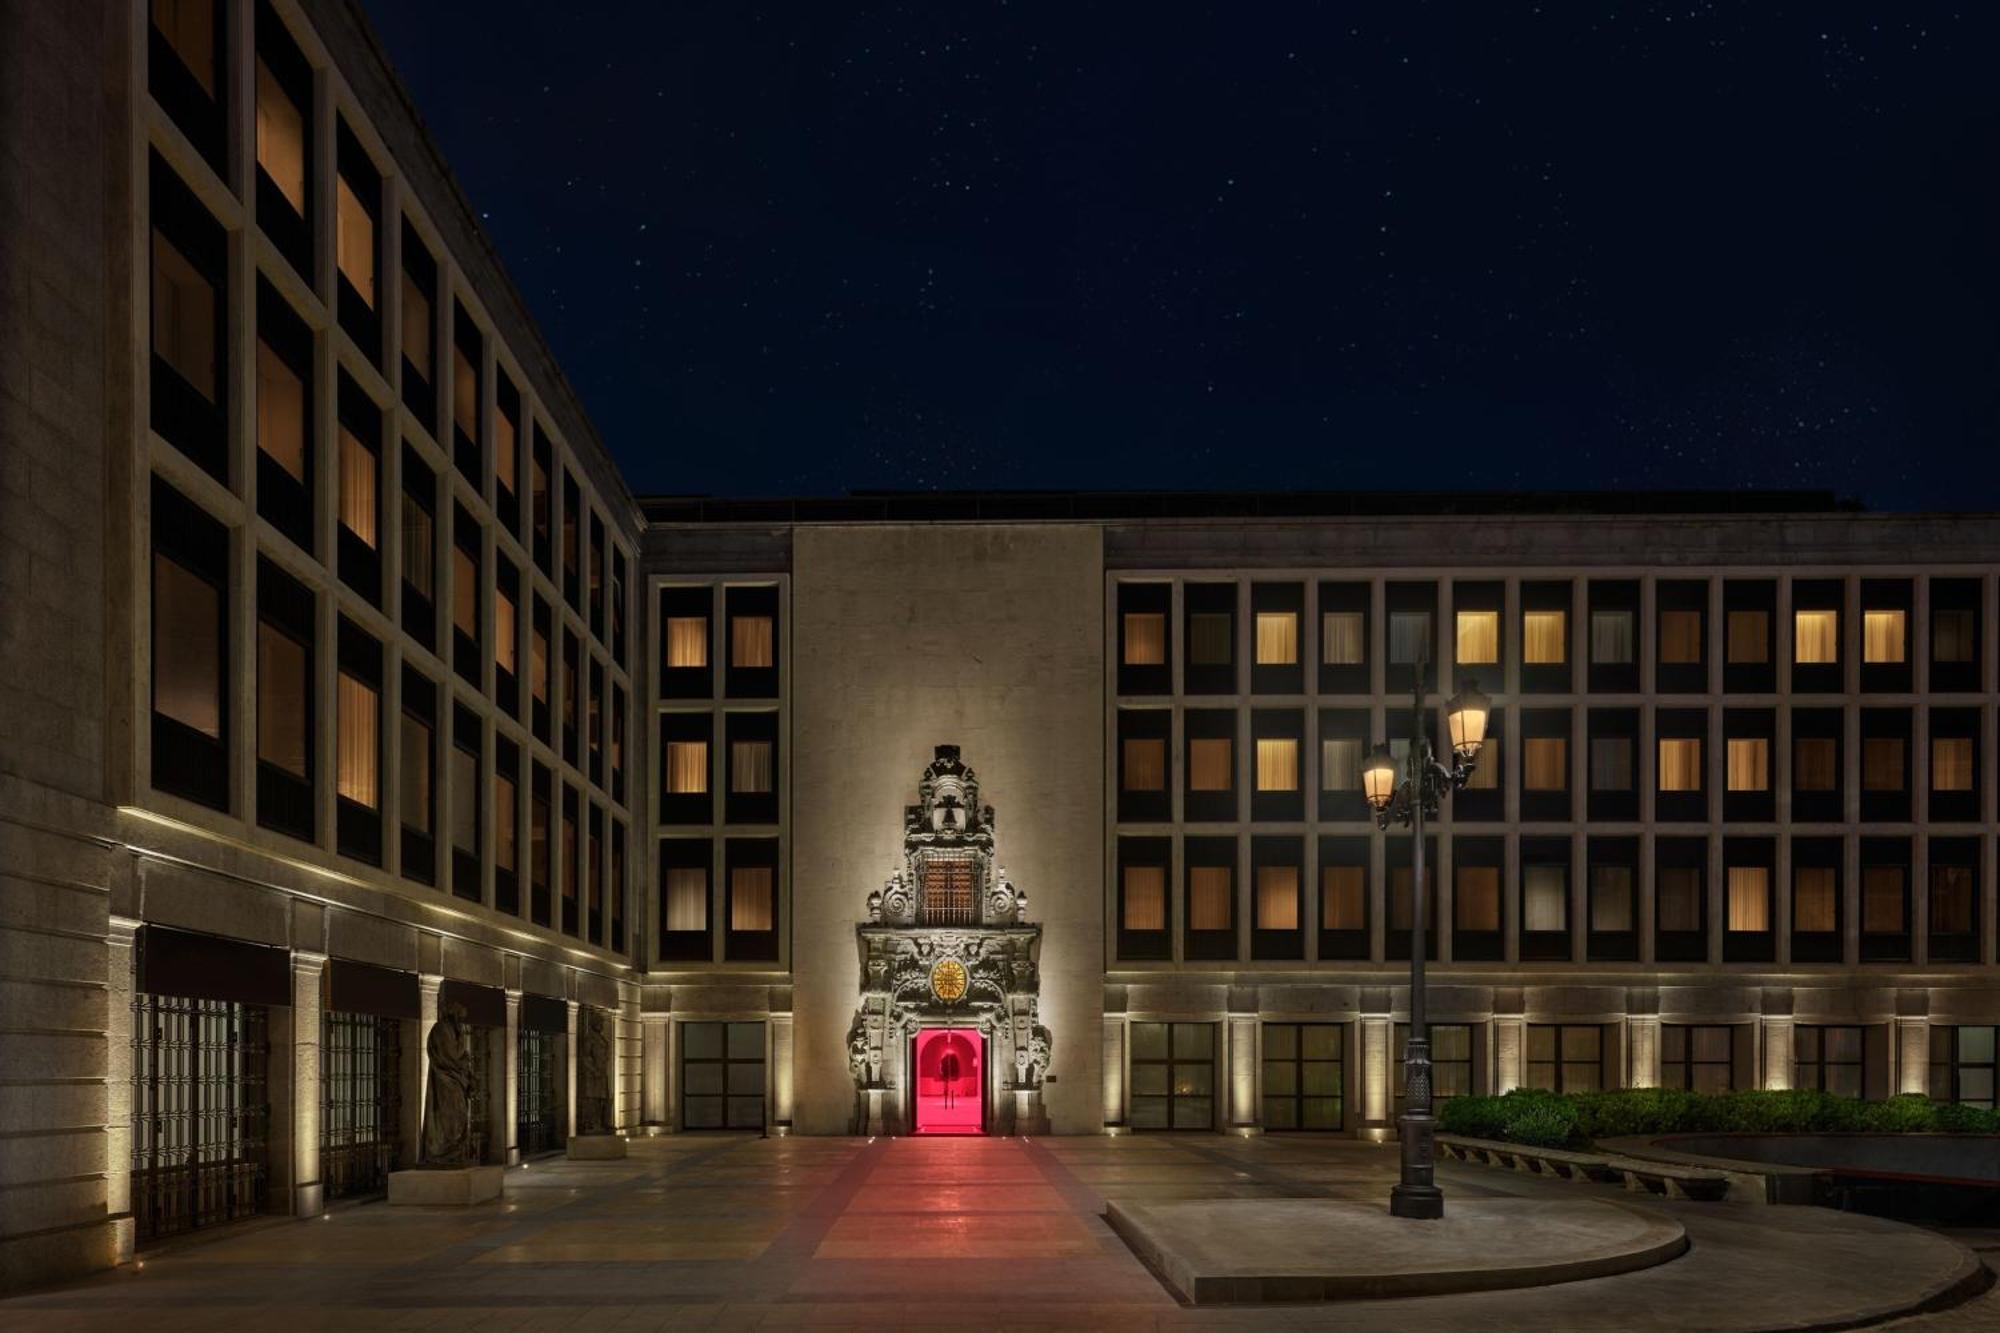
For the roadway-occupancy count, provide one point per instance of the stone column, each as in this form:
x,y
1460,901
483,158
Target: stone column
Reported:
x,y
1244,1106
1913,1055
781,1073
308,972
510,1104
118,1082
1376,1102
653,1104
569,1070
1643,1050
1114,1070
1510,1038
1780,1053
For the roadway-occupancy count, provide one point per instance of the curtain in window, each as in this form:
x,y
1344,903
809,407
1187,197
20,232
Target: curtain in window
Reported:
x,y
1542,638
1145,638
281,700
187,647
1882,900
750,905
419,554
1611,763
1544,763
1341,636
1478,637
1277,638
1409,635
504,446
1813,767
687,641
1611,637
687,899
1882,763
1476,898
1749,635
281,413
1208,898
1749,895
1208,764
1485,774
1815,906
503,631
750,641
464,592
1145,898
750,767
1277,898
1749,763
538,666
354,240
1679,891
1680,763
357,488
464,393
1882,636
1208,638
687,767
1952,635
415,766
1680,638
1544,898
183,317
1343,897
1951,763
505,825
1277,763
359,724
1815,637
1611,899
465,801
1145,764
1340,763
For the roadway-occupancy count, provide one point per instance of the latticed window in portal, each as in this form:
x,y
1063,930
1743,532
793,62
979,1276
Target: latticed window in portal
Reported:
x,y
361,1106
1173,1075
722,1075
537,1123
948,896
1451,1060
200,1113
1302,1075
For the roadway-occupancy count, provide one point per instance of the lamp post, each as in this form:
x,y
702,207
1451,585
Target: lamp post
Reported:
x,y
1424,784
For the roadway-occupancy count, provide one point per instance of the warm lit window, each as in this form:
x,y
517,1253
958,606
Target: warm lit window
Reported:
x,y
1680,638
354,240
1542,638
1409,636
1208,638
419,548
1611,637
1277,638
282,716
1544,898
504,447
750,901
504,646
187,647
1749,637
687,767
357,487
1610,763
1749,899
1610,899
1545,763
538,665
1145,764
687,641
464,393
1277,898
1343,898
1485,773
1680,763
1951,763
1952,636
415,766
1277,763
359,727
750,767
506,825
184,318
1815,906
1679,892
1882,637
1476,898
1749,763
750,641
416,327
1340,764
1882,763
1342,636
281,413
465,801
1209,764
1208,897
1145,638
1145,898
1478,638
687,899
1882,900
189,27
281,139
464,592
1813,764
1815,637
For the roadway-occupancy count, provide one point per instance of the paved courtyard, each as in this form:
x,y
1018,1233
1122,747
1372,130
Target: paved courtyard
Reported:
x,y
910,1233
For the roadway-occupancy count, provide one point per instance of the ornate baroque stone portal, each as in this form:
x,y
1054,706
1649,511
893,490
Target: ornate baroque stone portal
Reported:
x,y
947,944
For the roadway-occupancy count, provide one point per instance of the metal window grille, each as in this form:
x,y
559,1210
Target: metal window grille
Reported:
x,y
361,1102
947,896
537,1124
200,1113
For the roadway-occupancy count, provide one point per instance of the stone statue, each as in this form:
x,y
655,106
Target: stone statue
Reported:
x,y
593,1081
447,1137
1038,1054
857,1052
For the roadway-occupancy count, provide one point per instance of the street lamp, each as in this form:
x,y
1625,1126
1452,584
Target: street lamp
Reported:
x,y
1424,784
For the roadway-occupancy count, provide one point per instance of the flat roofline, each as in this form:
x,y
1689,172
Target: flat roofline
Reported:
x,y
1126,506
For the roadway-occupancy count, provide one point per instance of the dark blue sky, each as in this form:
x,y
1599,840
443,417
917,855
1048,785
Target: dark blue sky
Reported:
x,y
812,249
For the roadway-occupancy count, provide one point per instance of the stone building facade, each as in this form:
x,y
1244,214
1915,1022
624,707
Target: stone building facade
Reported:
x,y
347,682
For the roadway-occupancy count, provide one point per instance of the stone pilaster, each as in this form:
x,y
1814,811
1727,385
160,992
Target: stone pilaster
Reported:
x,y
121,980
428,986
308,976
781,1073
1510,1040
510,1103
569,1072
655,1104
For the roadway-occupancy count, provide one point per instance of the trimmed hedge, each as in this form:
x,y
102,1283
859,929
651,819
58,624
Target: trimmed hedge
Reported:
x,y
1567,1120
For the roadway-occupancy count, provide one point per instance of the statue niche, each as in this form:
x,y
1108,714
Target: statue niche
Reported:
x,y
447,1136
947,943
593,1073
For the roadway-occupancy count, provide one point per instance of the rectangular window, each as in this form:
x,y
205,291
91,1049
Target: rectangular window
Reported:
x,y
1208,897
1815,900
1545,763
1277,763
1679,892
1209,764
687,767
1145,638
359,721
687,899
189,28
1963,1065
750,767
187,647
1610,763
464,801
1208,639
1544,638
1951,763
354,240
1145,764
1343,897
464,592
1565,1058
1815,765
750,642
358,488
538,662
1544,898
687,641
416,327
751,902
464,392
1882,900
185,318
1145,898
1882,637
1342,636
1476,898
283,687
1749,899
1611,899
1680,763
1882,763
1340,763
1680,638
1749,638
505,631
281,413
1277,638
1409,636
281,139
1173,1076
1815,637
415,768
1277,897
1303,1083
1749,763
419,548
1952,898
1697,1059
1611,636
1478,638
1828,1059
1954,635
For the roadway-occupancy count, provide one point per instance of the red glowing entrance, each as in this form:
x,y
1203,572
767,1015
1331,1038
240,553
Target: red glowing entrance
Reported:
x,y
950,1081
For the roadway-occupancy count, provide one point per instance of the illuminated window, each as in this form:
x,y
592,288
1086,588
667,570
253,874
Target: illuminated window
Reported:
x,y
1342,637
1209,764
1485,773
1208,639
1277,638
1543,635
1478,638
359,720
354,240
1749,899
1815,901
1277,763
505,647
1882,763
1544,898
1749,636
1611,899
1680,763
687,641
464,392
1611,637
1814,766
187,647
1545,763
750,642
189,27
1611,763
750,767
1208,897
1951,763
1882,900
687,767
538,665
1340,763
357,487
1815,637
281,139
1882,637
1680,638
1749,763
1145,764
1679,891
184,318
464,592
687,899
416,326
283,664
1343,897
1953,634
281,413
751,905
1476,898
1145,638
1277,898
505,445
1145,898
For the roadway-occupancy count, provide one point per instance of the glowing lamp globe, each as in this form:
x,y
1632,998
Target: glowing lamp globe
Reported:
x,y
1378,778
1466,716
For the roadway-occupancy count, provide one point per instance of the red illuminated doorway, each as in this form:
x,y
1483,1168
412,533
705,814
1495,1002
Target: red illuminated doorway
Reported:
x,y
951,1067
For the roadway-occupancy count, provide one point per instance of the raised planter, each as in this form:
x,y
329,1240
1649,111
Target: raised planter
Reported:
x,y
1674,1180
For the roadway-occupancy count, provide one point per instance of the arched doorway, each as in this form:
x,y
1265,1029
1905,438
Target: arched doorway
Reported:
x,y
951,1081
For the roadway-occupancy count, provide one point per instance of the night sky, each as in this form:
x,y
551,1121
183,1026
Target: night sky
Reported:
x,y
965,244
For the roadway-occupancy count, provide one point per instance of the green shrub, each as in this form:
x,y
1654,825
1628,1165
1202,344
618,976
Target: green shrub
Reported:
x,y
1544,1122
1910,1113
1473,1117
1551,1120
1954,1118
